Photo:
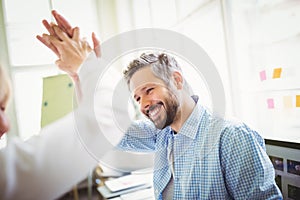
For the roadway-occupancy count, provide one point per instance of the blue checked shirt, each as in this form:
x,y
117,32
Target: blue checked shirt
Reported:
x,y
213,158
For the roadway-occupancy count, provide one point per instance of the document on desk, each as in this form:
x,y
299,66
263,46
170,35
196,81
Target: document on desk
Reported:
x,y
129,181
145,194
116,198
106,193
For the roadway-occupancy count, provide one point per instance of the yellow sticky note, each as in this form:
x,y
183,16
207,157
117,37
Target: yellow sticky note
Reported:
x,y
277,72
57,98
297,100
288,101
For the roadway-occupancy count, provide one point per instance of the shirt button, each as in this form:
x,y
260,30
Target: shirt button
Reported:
x,y
177,179
156,191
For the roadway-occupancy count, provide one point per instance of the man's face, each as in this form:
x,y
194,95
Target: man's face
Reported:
x,y
156,100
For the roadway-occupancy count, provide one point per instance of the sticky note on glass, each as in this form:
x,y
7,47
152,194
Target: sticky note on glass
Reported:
x,y
297,100
277,73
270,103
57,98
288,101
263,75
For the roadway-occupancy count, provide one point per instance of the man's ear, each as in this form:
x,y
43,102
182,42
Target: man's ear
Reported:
x,y
178,80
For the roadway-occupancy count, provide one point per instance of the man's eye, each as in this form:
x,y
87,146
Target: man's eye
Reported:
x,y
138,99
149,90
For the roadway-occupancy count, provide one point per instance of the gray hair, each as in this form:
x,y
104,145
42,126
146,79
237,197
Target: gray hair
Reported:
x,y
162,65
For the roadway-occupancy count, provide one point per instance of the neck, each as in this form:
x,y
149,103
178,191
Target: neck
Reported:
x,y
185,110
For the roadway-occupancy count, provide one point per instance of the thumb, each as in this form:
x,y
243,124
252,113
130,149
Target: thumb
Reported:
x,y
85,45
96,43
59,64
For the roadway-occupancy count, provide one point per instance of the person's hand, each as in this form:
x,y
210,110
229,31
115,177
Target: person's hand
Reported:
x,y
65,42
65,26
72,51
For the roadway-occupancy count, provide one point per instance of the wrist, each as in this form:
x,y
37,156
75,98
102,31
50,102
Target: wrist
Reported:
x,y
74,77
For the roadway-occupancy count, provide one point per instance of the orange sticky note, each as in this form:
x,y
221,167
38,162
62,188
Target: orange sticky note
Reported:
x,y
297,100
288,101
277,72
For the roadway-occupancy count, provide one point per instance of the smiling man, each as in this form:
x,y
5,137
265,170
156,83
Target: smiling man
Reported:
x,y
197,155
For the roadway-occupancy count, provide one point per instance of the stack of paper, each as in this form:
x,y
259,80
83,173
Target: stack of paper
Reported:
x,y
128,182
145,194
134,186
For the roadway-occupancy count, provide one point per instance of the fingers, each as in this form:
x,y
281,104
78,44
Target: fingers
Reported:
x,y
96,43
86,45
52,41
76,34
62,23
60,34
48,44
48,27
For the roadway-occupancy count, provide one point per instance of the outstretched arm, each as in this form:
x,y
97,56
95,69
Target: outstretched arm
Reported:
x,y
71,50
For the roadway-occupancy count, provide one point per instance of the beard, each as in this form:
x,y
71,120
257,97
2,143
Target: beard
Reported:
x,y
167,113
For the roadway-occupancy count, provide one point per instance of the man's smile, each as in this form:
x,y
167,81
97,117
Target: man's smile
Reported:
x,y
154,111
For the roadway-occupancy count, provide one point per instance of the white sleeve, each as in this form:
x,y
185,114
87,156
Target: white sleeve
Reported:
x,y
45,166
49,164
108,90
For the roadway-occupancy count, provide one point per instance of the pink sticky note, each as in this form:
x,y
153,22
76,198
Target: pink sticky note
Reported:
x,y
270,103
263,75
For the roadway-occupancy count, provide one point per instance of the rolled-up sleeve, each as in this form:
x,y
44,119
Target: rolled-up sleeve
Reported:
x,y
140,136
246,167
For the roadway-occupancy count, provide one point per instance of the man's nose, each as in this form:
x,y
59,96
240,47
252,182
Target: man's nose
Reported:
x,y
145,104
4,123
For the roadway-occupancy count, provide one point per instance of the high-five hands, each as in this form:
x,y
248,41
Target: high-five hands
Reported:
x,y
66,43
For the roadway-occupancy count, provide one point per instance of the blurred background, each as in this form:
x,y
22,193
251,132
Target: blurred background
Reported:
x,y
253,43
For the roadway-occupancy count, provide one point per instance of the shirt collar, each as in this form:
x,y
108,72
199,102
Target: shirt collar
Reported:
x,y
191,125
